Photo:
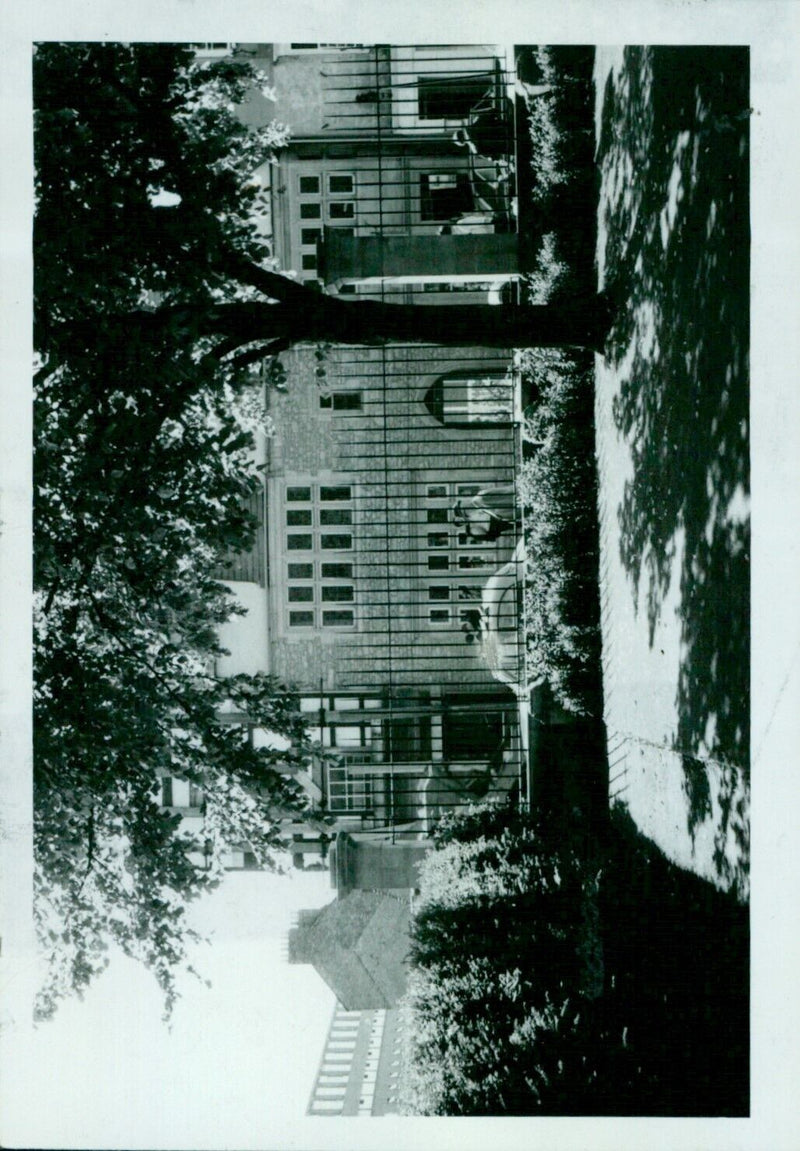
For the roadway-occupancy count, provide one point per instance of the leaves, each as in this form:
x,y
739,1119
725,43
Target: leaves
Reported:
x,y
143,469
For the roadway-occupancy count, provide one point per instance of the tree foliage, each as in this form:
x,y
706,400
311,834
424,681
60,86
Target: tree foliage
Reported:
x,y
143,460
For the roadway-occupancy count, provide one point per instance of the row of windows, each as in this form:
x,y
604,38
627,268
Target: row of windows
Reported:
x,y
328,541
338,184
316,583
309,618
326,517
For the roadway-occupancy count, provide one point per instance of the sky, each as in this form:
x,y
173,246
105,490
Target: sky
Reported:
x,y
239,1058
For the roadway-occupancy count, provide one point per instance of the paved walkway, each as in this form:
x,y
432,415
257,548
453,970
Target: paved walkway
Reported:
x,y
683,794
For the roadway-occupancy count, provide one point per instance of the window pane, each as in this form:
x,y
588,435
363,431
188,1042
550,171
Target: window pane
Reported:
x,y
298,495
347,736
337,619
341,210
439,615
301,619
329,516
437,491
339,184
301,594
438,563
337,571
335,542
439,592
347,401
469,592
301,571
310,235
444,195
308,261
310,211
437,515
309,185
340,493
298,543
438,539
451,97
298,517
337,593
468,489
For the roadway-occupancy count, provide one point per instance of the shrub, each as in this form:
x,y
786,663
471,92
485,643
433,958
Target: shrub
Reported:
x,y
498,963
558,488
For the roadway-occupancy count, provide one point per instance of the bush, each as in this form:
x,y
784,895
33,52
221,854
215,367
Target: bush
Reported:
x,y
558,489
497,964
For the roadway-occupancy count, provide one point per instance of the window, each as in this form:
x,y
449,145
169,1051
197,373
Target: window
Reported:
x,y
299,543
439,615
308,261
310,236
341,210
337,593
301,619
341,402
444,195
438,539
440,591
298,517
337,571
336,542
437,492
437,515
445,97
337,619
340,184
438,563
310,210
335,516
317,582
462,400
309,185
300,593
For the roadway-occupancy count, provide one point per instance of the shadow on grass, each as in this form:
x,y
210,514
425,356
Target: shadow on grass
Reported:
x,y
677,981
676,129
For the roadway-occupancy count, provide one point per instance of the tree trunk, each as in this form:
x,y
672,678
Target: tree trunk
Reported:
x,y
580,322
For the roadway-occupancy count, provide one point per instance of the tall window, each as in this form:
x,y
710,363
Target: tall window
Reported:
x,y
454,566
463,399
318,530
444,97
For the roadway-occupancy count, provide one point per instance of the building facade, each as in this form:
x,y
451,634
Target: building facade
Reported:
x,y
369,588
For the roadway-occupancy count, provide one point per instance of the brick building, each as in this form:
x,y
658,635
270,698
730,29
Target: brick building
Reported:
x,y
366,588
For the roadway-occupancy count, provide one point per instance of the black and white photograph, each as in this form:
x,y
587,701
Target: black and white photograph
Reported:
x,y
382,667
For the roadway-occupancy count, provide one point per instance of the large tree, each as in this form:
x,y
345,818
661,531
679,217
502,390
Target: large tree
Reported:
x,y
155,294
143,465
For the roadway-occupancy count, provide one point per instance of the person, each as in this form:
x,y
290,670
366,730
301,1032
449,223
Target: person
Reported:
x,y
488,514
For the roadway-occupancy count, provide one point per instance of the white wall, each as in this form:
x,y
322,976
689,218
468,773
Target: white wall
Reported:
x,y
246,637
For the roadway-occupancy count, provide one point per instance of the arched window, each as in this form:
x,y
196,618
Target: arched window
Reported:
x,y
462,399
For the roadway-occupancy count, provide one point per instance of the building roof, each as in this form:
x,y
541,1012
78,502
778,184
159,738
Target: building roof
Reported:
x,y
359,946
